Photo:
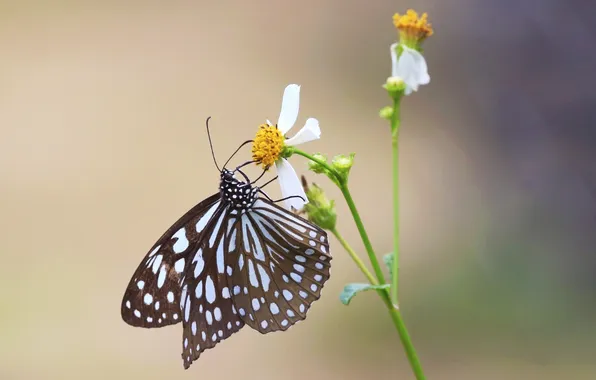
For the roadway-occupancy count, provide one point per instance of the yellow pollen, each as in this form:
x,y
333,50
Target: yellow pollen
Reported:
x,y
267,145
411,27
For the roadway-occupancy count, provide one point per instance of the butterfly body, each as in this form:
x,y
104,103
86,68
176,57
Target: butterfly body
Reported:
x,y
239,195
234,259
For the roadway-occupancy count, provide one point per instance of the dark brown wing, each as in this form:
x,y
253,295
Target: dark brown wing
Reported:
x,y
152,298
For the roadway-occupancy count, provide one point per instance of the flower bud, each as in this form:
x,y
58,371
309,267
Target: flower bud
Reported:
x,y
319,209
315,166
395,86
343,164
386,112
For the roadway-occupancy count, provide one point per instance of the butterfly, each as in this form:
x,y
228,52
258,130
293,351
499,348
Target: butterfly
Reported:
x,y
234,259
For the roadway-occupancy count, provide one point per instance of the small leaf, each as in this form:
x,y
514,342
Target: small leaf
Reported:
x,y
388,259
350,291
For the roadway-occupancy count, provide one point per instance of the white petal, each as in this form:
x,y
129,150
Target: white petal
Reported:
x,y
393,49
290,185
269,123
412,68
309,132
289,108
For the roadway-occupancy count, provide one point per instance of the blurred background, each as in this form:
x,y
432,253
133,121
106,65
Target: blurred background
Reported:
x,y
102,147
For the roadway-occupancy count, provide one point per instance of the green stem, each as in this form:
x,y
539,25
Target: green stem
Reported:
x,y
359,263
394,313
404,336
367,244
385,296
395,121
343,186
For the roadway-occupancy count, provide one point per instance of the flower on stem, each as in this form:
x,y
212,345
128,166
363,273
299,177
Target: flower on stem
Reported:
x,y
319,210
407,60
271,147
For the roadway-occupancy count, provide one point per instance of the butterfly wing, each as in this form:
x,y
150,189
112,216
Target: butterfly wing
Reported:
x,y
281,267
153,294
209,314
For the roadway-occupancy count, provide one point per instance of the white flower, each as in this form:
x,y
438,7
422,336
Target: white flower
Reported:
x,y
410,66
288,179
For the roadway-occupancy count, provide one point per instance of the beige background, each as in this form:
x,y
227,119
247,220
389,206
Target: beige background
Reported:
x,y
102,147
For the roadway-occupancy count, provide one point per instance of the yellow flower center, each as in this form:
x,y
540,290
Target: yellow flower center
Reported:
x,y
412,29
267,145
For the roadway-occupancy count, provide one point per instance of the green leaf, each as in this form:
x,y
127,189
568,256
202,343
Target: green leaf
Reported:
x,y
350,291
388,259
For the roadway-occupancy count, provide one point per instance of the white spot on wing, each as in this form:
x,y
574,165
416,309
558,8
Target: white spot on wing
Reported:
x,y
273,308
200,263
179,266
182,243
252,276
148,299
199,290
187,309
162,277
205,218
216,230
154,250
209,290
157,263
264,277
287,295
220,257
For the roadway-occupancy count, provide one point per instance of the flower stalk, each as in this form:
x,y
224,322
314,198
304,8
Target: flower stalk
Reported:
x,y
395,122
342,182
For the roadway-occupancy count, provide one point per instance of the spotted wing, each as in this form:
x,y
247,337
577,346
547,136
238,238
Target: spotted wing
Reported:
x,y
153,294
282,264
209,315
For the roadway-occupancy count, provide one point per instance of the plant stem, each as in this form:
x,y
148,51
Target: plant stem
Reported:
x,y
394,313
359,263
343,186
384,294
395,121
367,244
404,336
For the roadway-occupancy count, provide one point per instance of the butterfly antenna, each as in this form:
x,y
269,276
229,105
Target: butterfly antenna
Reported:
x,y
259,177
243,174
268,182
211,144
236,151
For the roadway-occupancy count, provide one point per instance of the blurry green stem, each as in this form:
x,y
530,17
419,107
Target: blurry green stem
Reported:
x,y
393,311
395,121
359,263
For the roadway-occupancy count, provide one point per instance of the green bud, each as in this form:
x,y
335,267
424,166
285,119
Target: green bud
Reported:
x,y
386,112
319,209
315,166
343,164
395,86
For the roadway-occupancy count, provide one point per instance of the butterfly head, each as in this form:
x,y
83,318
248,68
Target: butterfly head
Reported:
x,y
238,194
